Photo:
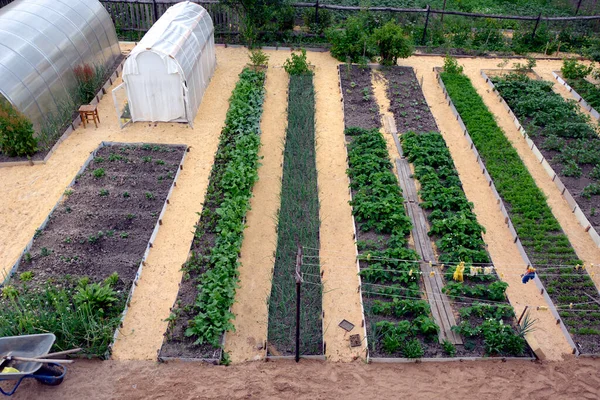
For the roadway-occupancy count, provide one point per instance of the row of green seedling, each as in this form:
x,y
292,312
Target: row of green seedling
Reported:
x,y
198,324
298,224
544,242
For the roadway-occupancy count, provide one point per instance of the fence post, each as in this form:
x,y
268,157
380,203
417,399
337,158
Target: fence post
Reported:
x,y
426,23
537,22
317,12
155,7
443,9
578,5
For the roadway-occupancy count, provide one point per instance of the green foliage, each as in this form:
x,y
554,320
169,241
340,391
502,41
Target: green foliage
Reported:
x,y
499,338
451,65
297,64
392,43
99,173
298,222
258,58
449,348
325,20
26,276
494,291
378,202
88,322
354,41
16,132
573,69
412,349
527,67
89,79
217,285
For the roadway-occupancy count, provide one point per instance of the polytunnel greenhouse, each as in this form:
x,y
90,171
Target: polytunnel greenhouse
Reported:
x,y
42,42
166,74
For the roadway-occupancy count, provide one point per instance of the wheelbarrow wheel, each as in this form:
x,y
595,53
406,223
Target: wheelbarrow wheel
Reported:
x,y
52,374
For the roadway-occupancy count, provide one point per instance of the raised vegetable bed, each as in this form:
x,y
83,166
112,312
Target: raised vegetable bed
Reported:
x,y
76,274
298,223
543,241
360,107
584,92
201,314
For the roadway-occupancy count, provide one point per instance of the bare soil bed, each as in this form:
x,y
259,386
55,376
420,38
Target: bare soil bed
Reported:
x,y
360,107
407,103
105,221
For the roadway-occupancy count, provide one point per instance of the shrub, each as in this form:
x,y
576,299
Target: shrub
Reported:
x,y
451,65
449,348
325,19
572,69
258,58
297,64
392,43
16,132
354,42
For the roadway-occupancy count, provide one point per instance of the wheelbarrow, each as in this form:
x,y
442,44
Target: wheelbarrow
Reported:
x,y
23,358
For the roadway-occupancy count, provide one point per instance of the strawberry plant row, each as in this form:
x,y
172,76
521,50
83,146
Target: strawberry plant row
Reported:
x,y
201,314
298,224
562,133
75,277
545,243
488,327
360,106
399,322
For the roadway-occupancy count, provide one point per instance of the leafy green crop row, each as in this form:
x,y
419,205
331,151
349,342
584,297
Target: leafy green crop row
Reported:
x,y
238,162
298,224
399,320
541,235
459,238
565,128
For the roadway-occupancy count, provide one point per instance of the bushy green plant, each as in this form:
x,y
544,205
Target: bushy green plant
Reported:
x,y
258,58
573,69
412,349
297,64
353,41
325,20
392,43
89,80
451,65
449,348
16,132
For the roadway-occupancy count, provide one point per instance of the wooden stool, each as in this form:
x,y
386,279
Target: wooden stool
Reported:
x,y
89,113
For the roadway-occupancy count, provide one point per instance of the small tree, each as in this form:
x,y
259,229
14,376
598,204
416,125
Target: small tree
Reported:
x,y
451,65
297,64
392,43
258,58
16,132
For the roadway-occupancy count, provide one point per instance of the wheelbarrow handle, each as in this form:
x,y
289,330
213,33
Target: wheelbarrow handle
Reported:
x,y
41,360
62,353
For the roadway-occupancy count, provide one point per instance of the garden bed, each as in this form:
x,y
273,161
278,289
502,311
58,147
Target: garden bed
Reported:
x,y
79,268
298,224
63,126
563,136
453,227
201,313
584,92
536,231
360,107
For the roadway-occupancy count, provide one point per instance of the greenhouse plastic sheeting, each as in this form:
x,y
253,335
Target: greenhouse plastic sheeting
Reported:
x,y
167,73
41,41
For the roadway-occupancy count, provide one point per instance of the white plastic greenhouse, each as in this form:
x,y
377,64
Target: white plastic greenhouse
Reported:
x,y
42,41
167,73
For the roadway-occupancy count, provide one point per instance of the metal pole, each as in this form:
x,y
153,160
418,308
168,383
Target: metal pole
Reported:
x,y
578,5
536,26
426,23
298,283
522,314
317,12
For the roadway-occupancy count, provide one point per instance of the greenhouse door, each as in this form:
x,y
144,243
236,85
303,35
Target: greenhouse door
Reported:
x,y
155,92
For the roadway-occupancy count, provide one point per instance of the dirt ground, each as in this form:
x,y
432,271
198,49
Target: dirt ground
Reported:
x,y
129,380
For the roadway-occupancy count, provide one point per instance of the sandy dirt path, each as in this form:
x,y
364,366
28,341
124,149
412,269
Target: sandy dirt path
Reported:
x,y
487,380
28,194
341,299
581,241
260,235
500,245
